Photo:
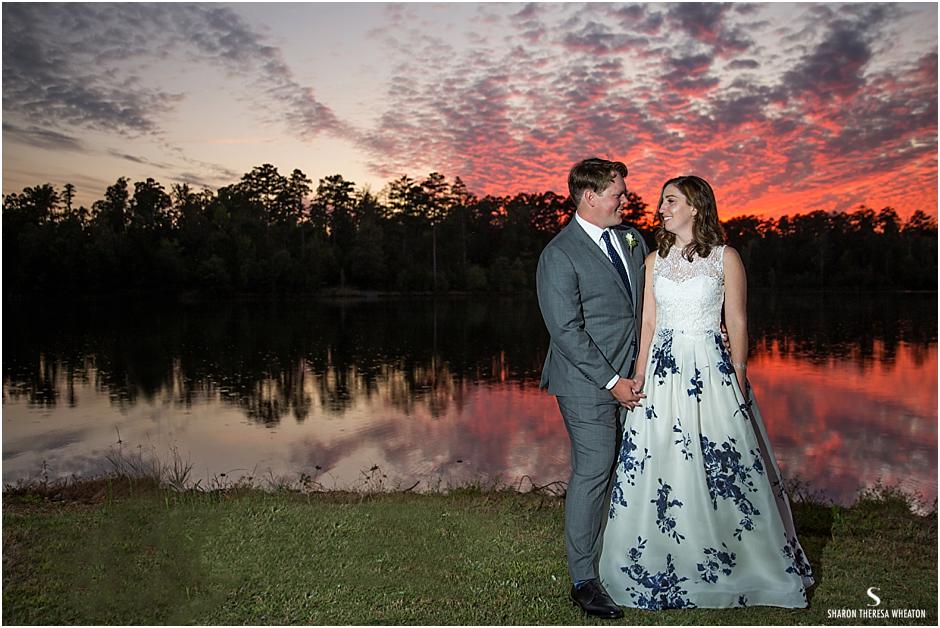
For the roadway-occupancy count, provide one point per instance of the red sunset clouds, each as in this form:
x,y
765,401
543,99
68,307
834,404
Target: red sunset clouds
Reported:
x,y
790,115
784,108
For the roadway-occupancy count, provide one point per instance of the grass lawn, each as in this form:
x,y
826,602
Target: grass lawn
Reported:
x,y
123,551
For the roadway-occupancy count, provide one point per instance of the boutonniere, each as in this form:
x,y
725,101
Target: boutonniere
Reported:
x,y
631,241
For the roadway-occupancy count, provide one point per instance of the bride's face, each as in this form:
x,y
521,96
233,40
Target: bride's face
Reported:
x,y
676,211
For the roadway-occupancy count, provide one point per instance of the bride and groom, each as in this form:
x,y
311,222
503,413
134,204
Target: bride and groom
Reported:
x,y
675,499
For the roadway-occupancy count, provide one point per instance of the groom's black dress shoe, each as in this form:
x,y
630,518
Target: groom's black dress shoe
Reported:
x,y
593,600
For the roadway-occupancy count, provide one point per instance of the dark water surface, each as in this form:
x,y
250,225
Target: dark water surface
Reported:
x,y
386,393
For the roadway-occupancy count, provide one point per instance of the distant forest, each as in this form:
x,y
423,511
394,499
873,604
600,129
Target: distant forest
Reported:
x,y
261,236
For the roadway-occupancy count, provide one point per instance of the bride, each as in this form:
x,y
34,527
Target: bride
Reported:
x,y
698,514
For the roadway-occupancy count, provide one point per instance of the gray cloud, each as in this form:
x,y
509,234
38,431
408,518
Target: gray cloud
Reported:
x,y
46,74
222,36
209,178
872,122
137,159
833,68
638,18
41,138
62,63
530,11
743,64
739,105
706,23
690,74
599,39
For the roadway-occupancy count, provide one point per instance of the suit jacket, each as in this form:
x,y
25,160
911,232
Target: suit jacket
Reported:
x,y
593,323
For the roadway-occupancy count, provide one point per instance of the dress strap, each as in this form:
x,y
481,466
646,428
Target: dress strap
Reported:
x,y
717,259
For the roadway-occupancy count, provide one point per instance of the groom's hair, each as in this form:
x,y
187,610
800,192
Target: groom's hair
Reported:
x,y
592,174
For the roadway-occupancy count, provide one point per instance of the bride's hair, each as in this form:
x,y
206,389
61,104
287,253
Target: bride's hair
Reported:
x,y
706,230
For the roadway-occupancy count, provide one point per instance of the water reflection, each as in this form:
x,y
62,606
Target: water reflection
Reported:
x,y
265,358
442,391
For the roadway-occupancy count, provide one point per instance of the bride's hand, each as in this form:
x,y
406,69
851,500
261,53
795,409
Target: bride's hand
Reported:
x,y
638,382
623,392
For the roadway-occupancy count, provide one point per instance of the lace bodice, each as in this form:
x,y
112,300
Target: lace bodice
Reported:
x,y
689,295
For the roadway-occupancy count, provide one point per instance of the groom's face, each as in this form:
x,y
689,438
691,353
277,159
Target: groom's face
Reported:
x,y
607,204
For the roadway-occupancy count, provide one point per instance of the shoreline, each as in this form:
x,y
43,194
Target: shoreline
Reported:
x,y
173,472
174,478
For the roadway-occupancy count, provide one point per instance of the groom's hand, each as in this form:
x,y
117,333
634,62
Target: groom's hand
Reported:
x,y
623,391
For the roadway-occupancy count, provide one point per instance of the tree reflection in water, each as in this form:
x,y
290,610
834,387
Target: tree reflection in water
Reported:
x,y
406,359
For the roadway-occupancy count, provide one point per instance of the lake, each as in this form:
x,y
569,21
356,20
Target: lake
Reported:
x,y
387,393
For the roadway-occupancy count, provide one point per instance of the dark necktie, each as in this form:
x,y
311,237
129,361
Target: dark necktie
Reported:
x,y
617,262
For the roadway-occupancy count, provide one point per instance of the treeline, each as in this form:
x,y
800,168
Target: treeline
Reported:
x,y
859,250
262,236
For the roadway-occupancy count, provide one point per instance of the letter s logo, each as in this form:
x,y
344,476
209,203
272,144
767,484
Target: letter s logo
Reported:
x,y
873,596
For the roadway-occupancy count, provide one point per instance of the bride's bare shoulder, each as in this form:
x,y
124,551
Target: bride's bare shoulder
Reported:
x,y
729,252
731,261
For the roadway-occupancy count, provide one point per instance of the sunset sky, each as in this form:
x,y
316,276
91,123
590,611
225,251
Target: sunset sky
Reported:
x,y
785,108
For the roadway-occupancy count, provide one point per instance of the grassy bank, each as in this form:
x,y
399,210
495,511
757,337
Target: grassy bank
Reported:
x,y
122,551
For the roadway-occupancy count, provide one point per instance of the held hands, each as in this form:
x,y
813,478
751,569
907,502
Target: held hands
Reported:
x,y
628,392
638,382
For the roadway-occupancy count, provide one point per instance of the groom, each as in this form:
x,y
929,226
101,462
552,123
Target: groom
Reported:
x,y
590,287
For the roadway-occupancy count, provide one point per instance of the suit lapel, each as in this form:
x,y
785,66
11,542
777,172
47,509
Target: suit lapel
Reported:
x,y
595,251
634,265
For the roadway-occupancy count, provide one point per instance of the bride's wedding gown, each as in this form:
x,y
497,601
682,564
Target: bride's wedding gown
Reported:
x,y
698,515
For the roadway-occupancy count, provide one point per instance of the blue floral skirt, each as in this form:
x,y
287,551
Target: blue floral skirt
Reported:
x,y
698,514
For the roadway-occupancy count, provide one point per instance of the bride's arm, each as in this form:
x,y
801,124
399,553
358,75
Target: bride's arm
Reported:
x,y
649,323
736,312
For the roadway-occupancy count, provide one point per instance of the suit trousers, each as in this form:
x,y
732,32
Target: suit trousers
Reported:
x,y
594,430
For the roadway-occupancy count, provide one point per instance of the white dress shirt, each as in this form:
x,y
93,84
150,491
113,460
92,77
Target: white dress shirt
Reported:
x,y
594,232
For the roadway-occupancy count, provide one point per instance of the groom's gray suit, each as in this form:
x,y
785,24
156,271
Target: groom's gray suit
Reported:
x,y
593,323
